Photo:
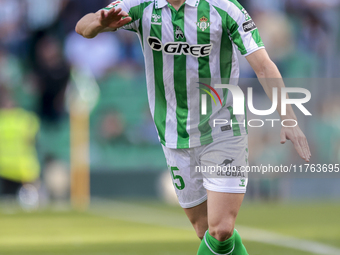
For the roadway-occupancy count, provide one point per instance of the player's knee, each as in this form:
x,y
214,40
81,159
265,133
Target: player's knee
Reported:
x,y
221,232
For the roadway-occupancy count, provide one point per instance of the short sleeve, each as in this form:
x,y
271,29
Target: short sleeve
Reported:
x,y
242,29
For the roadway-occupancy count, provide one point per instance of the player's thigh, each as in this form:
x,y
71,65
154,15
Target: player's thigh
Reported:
x,y
222,211
190,191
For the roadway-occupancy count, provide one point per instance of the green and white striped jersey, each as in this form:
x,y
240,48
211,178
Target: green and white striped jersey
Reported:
x,y
195,44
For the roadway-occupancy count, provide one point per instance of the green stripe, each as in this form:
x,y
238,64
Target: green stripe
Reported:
x,y
203,37
130,29
226,61
226,53
160,101
257,38
236,127
236,36
225,94
180,81
136,13
140,29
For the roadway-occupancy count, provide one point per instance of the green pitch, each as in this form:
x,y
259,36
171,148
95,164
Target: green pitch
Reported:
x,y
155,229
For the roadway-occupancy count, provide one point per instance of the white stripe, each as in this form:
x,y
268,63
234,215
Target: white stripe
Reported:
x,y
132,25
214,58
171,134
139,35
190,32
268,237
204,104
215,39
253,50
147,215
235,68
234,78
214,64
149,67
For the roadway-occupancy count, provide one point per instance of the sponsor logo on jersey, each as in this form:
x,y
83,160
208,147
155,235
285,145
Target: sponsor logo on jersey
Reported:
x,y
247,16
155,43
114,4
179,33
226,128
203,24
249,26
242,182
156,19
179,48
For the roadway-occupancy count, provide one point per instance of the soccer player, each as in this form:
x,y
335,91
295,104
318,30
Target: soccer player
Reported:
x,y
186,43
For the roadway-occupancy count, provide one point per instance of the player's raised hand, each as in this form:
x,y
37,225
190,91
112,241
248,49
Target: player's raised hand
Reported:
x,y
114,18
92,24
298,139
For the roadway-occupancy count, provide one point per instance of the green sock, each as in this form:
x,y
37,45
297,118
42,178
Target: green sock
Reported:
x,y
239,247
211,246
232,246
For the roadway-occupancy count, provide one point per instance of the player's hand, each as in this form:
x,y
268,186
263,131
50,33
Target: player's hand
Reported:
x,y
298,139
114,18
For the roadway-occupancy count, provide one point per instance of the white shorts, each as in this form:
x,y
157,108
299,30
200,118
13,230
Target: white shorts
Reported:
x,y
216,166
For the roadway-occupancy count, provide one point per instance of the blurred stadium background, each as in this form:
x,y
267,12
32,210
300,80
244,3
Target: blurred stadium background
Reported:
x,y
74,112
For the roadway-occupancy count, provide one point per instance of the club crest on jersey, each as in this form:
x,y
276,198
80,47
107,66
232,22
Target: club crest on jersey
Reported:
x,y
179,33
156,19
203,24
114,4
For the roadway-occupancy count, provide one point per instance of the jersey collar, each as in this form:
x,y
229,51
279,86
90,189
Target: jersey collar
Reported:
x,y
161,3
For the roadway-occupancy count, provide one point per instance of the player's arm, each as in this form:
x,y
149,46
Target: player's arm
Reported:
x,y
94,23
270,77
